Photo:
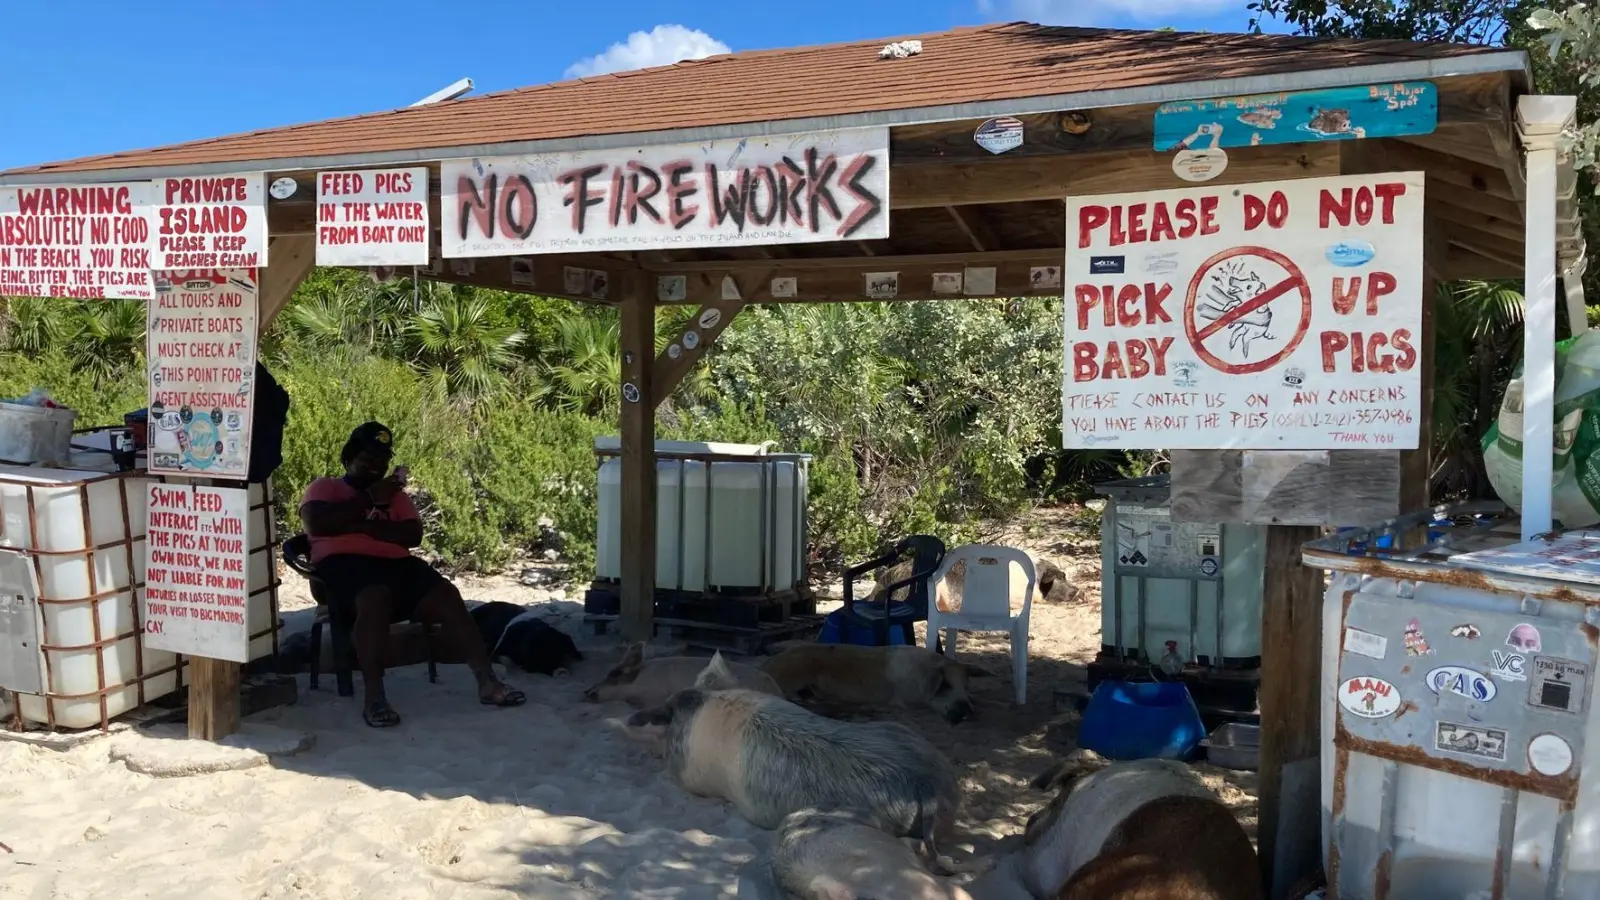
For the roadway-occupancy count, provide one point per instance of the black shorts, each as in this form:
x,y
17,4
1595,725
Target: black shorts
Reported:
x,y
408,579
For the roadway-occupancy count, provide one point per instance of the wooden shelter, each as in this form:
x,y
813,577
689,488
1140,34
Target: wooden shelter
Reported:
x,y
1087,100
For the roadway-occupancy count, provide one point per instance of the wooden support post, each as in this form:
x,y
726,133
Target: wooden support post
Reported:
x,y
638,459
1290,827
290,258
669,369
213,698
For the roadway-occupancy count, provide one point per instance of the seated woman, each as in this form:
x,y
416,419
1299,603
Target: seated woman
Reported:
x,y
362,529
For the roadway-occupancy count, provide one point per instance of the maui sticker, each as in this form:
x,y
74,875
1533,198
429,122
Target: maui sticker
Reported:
x,y
1369,698
1462,681
1365,643
1526,638
1549,755
1416,644
1470,740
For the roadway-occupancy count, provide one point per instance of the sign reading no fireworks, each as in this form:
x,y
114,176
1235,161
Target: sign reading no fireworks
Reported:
x,y
1281,316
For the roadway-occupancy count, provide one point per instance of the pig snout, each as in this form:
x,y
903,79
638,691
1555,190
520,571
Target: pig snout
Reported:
x,y
649,724
958,711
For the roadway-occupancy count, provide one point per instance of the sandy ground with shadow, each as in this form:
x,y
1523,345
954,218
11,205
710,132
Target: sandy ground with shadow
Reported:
x,y
469,803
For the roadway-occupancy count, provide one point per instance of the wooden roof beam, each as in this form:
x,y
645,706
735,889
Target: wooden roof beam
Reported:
x,y
973,224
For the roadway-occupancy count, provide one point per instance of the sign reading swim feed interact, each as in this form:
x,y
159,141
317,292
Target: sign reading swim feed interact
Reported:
x,y
1278,316
780,189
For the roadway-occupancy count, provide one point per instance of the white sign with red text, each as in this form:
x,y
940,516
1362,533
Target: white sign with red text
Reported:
x,y
196,594
200,350
778,189
373,217
209,222
1279,316
86,240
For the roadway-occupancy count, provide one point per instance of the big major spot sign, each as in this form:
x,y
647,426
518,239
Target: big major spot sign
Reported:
x,y
1278,316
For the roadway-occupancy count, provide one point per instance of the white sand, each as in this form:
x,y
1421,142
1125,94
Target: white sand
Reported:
x,y
468,803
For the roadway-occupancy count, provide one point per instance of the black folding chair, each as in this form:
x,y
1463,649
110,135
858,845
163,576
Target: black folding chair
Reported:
x,y
339,614
925,552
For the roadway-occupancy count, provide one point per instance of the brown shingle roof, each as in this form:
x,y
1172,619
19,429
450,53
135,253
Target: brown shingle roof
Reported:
x,y
965,65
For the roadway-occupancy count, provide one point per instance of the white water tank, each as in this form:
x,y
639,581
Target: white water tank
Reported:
x,y
751,536
74,538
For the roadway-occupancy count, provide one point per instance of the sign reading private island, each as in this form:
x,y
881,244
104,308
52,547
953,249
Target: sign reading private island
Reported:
x,y
196,587
209,222
87,240
785,189
1280,316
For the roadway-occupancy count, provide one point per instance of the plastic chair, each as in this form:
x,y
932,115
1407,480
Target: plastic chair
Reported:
x,y
341,617
986,602
926,552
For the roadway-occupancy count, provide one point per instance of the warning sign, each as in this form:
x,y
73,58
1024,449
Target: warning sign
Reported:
x,y
1281,316
196,586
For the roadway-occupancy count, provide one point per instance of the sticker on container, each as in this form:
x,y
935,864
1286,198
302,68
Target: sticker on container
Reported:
x,y
1462,681
1369,698
1199,165
674,351
1416,644
1549,755
947,282
999,135
630,392
1467,630
1208,544
1365,643
882,285
1470,740
785,287
1526,638
1045,278
1558,684
283,188
730,288
980,281
521,270
672,288
1509,666
691,339
1209,567
574,280
709,319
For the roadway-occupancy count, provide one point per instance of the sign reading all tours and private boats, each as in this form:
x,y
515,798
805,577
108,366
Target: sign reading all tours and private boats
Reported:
x,y
1280,316
201,353
784,189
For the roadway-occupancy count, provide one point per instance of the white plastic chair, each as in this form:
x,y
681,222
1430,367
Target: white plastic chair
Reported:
x,y
986,602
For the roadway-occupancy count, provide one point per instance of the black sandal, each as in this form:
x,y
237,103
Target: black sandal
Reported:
x,y
503,695
379,714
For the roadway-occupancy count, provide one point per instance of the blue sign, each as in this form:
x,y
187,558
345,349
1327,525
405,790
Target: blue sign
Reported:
x,y
1374,111
1208,567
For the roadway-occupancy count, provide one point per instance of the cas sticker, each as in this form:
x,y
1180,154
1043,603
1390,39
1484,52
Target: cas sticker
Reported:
x,y
1462,681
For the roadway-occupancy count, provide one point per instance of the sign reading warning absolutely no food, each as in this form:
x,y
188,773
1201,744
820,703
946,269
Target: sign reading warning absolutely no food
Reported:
x,y
1280,316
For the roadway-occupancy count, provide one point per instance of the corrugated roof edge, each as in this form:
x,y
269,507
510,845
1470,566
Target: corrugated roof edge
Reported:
x,y
1474,62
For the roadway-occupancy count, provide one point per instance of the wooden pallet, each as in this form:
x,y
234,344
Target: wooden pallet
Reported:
x,y
712,636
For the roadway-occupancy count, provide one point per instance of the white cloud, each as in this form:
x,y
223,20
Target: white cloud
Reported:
x,y
1147,13
660,46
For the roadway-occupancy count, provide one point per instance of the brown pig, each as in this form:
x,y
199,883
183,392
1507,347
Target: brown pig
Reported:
x,y
648,683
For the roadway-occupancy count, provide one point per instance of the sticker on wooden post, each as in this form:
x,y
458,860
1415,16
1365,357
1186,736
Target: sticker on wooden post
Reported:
x,y
980,281
730,288
522,271
785,288
672,288
947,282
999,135
1044,278
882,285
690,339
630,392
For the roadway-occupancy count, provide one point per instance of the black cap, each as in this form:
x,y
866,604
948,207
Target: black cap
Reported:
x,y
372,436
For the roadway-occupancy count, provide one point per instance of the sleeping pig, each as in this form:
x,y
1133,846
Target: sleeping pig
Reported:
x,y
848,675
770,758
649,682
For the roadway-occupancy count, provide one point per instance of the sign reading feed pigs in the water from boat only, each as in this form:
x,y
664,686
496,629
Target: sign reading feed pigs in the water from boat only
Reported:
x,y
783,189
1279,316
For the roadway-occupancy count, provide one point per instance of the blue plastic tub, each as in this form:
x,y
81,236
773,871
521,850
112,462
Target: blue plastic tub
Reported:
x,y
1142,720
836,630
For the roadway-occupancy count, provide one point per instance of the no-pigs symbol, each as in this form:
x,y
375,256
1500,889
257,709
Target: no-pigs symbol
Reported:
x,y
1232,294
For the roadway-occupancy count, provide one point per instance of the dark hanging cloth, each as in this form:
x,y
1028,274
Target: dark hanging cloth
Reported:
x,y
268,420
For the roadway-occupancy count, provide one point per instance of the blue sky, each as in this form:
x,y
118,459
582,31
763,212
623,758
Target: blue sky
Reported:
x,y
117,75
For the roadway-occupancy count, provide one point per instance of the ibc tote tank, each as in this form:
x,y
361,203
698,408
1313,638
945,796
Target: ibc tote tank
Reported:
x,y
750,536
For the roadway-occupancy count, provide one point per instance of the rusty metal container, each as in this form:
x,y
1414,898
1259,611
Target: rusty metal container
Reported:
x,y
1460,759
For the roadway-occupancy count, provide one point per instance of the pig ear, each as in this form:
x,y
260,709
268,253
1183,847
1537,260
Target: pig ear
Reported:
x,y
633,658
716,676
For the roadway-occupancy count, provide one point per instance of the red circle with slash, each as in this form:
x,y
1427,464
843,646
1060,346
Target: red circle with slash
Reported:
x,y
1296,281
